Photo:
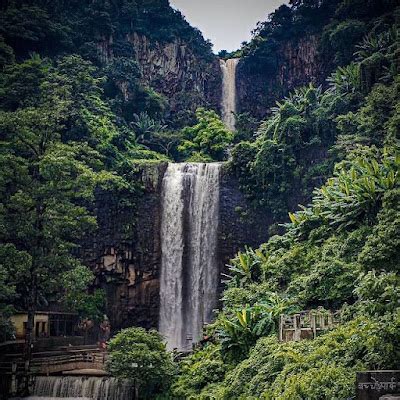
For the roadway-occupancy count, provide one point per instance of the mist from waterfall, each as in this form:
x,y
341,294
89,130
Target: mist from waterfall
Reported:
x,y
228,103
189,267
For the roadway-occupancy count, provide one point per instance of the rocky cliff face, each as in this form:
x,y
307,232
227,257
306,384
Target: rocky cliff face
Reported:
x,y
175,71
241,224
297,63
172,69
126,253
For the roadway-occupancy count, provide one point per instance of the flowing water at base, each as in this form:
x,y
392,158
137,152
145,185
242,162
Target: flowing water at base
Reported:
x,y
52,398
80,388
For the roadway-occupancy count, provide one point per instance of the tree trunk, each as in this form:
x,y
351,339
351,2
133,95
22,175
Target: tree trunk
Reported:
x,y
136,392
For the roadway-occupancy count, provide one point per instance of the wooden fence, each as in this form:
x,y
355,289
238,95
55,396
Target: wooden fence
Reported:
x,y
306,324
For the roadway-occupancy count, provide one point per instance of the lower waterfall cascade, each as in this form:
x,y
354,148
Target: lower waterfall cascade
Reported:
x,y
74,387
189,268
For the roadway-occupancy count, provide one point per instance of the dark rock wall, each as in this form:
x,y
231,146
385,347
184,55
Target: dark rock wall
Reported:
x,y
126,252
240,224
175,71
298,63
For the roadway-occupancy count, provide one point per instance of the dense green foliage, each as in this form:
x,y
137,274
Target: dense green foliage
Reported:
x,y
104,33
297,146
341,252
75,122
341,24
48,176
140,357
65,27
320,369
208,140
59,143
288,21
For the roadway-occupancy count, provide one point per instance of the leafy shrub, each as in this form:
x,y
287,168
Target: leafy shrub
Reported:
x,y
381,250
343,39
292,370
208,138
354,194
141,357
378,292
239,329
199,371
244,268
325,382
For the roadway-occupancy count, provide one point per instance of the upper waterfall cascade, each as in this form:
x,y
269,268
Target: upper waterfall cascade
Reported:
x,y
189,268
228,104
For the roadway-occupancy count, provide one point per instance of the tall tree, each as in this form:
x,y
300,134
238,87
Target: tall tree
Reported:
x,y
46,180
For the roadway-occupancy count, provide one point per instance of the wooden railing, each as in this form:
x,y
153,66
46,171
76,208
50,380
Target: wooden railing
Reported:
x,y
306,324
56,363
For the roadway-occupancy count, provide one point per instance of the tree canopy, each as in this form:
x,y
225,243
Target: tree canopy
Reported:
x,y
141,357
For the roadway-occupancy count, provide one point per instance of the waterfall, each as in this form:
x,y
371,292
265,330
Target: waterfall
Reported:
x,y
189,268
228,104
88,388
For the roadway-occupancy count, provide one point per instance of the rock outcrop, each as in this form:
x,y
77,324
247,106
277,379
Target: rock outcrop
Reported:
x,y
241,224
125,253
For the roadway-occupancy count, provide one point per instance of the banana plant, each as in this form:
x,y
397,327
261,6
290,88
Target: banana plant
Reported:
x,y
239,330
144,126
345,80
352,196
244,268
300,102
374,43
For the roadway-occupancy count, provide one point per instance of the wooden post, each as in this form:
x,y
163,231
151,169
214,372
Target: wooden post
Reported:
x,y
297,328
313,325
14,387
330,320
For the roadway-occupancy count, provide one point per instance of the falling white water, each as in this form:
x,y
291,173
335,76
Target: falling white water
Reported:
x,y
82,388
189,268
228,104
